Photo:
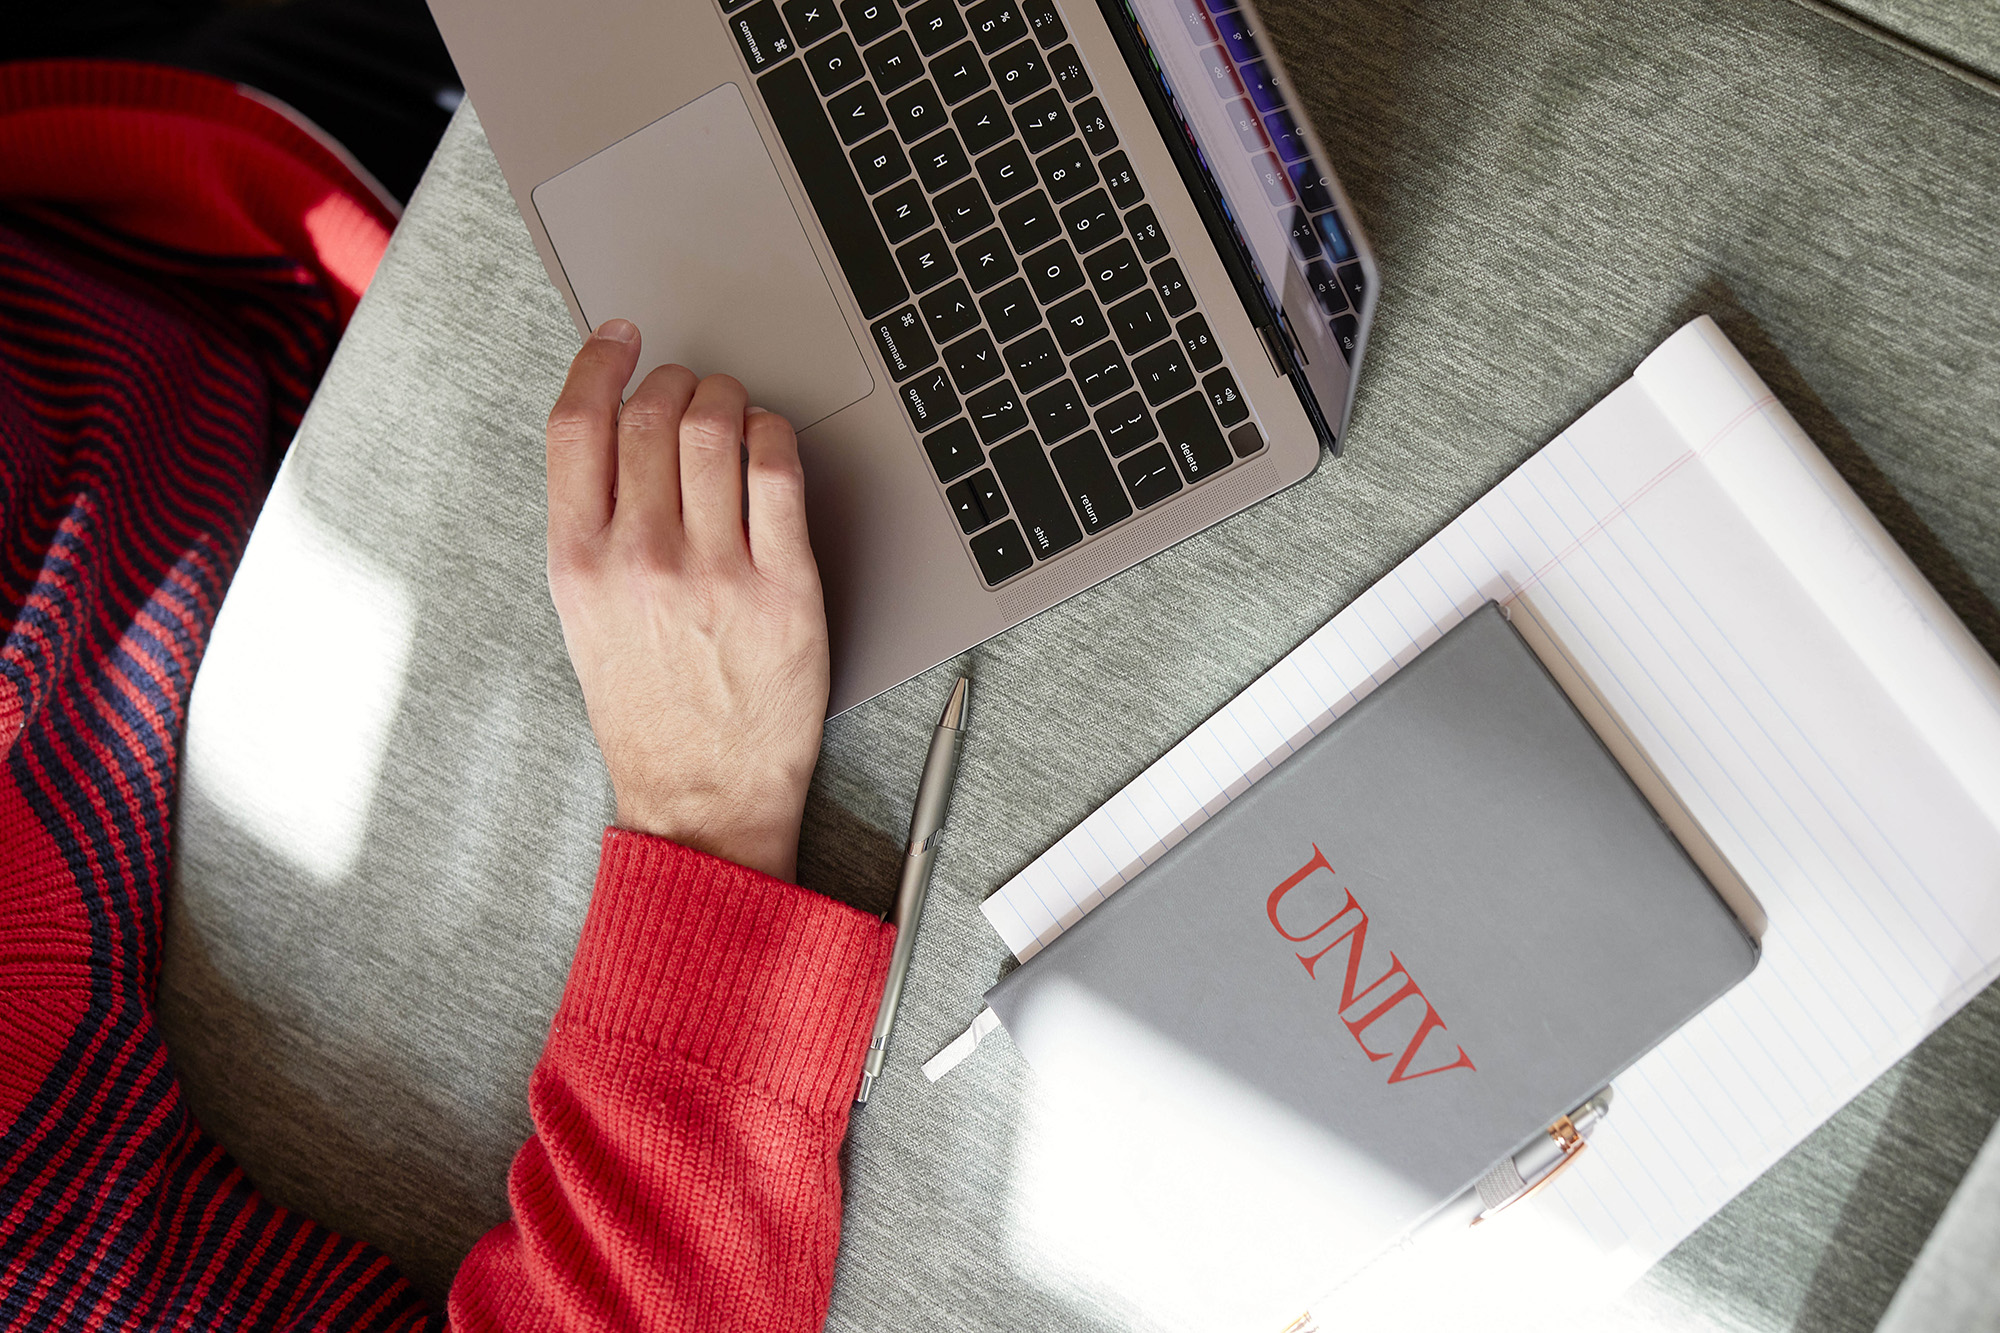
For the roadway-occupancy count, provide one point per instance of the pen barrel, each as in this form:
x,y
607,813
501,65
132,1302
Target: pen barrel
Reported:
x,y
926,822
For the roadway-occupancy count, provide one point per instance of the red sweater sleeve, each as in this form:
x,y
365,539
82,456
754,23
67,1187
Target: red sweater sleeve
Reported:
x,y
689,1107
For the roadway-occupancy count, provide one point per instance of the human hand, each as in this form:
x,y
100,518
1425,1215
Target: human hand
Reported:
x,y
700,646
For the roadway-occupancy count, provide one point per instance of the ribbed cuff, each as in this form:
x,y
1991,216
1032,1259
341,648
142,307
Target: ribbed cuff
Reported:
x,y
758,980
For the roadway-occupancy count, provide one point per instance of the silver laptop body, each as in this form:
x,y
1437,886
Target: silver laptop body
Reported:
x,y
1045,286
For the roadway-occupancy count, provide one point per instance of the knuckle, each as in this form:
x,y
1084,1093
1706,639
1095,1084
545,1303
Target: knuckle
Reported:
x,y
573,423
707,427
646,414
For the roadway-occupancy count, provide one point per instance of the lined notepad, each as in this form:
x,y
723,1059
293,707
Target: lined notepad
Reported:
x,y
1763,651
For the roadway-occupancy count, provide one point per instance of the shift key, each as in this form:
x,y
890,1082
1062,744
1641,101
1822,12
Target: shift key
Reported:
x,y
1036,495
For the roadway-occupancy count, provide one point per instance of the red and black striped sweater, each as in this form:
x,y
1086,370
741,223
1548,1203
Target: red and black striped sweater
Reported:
x,y
177,259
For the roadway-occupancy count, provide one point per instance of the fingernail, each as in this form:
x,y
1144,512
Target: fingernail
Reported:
x,y
617,330
754,408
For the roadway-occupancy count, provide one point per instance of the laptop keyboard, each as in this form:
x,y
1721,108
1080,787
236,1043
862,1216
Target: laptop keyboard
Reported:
x,y
1046,344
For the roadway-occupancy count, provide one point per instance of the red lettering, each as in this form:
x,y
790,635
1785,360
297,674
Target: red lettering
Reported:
x,y
1431,1020
1357,934
1318,862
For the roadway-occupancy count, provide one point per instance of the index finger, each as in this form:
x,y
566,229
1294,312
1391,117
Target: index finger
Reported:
x,y
583,433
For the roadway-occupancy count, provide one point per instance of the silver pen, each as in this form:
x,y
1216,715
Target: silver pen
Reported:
x,y
1526,1172
926,822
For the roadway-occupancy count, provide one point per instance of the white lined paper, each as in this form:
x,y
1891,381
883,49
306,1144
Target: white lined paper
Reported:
x,y
1787,673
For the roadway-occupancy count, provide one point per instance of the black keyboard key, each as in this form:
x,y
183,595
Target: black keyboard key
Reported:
x,y
1094,492
973,361
1325,288
731,6
1010,310
1224,398
1078,323
1192,438
1042,17
1334,236
1058,411
964,502
959,73
1019,71
1150,476
1126,424
1036,495
811,20
905,347
1070,75
762,36
904,212
982,122
1202,352
995,23
893,61
870,19
834,64
939,160
1353,282
1067,170
880,162
1146,234
916,112
962,210
1220,72
1120,180
857,113
1033,361
823,169
1001,553
1347,333
1286,136
926,261
929,400
1101,373
1271,175
978,500
936,24
987,260
954,451
949,311
992,500
1044,121
1262,84
1005,172
1053,272
1246,440
1139,322
1031,222
1090,221
1305,240
1315,190
1163,372
1249,128
1115,271
996,412
1095,126
1174,293
1237,38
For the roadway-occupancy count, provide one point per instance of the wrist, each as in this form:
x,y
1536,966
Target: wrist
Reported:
x,y
765,840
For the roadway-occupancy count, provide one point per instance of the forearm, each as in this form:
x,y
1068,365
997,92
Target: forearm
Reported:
x,y
688,1107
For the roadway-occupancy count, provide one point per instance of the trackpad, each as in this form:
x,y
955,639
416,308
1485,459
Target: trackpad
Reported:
x,y
685,229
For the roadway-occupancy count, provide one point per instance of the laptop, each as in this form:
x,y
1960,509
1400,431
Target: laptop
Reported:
x,y
1044,285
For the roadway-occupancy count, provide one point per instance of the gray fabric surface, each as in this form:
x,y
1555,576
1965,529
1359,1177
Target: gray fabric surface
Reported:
x,y
1967,33
1552,189
1953,1284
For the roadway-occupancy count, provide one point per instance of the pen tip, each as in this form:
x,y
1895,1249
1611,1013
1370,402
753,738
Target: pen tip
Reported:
x,y
954,708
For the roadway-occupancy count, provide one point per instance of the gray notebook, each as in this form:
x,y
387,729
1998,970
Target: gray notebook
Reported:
x,y
1445,921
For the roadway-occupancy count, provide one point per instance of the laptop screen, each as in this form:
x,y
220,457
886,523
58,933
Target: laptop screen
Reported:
x,y
1249,136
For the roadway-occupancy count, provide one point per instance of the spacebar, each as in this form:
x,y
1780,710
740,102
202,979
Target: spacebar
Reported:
x,y
836,196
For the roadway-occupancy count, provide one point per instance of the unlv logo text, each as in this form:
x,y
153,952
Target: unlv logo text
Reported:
x,y
1355,937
